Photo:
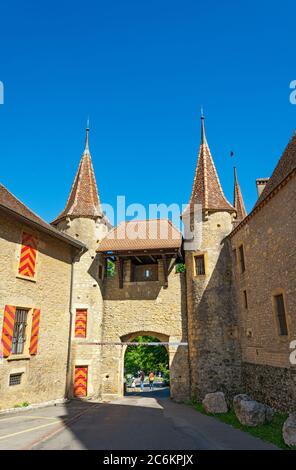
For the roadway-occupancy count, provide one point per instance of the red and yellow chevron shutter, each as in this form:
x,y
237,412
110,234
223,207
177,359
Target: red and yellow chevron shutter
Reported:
x,y
80,381
7,329
27,265
35,331
80,323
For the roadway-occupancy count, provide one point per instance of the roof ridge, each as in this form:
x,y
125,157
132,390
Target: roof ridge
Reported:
x,y
15,206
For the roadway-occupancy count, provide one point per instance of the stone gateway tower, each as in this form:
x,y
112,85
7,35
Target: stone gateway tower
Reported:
x,y
83,219
212,326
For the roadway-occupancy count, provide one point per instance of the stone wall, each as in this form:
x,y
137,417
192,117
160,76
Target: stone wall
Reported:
x,y
144,308
214,351
268,239
87,294
43,375
275,386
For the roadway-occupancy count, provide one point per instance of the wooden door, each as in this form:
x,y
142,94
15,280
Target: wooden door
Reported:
x,y
80,381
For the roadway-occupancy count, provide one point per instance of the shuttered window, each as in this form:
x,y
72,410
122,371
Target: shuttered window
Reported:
x,y
14,331
281,314
27,264
80,323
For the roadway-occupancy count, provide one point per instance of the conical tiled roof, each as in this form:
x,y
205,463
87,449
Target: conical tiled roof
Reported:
x,y
84,198
239,205
206,189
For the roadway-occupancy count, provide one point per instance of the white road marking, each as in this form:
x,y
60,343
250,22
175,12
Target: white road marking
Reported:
x,y
7,436
28,417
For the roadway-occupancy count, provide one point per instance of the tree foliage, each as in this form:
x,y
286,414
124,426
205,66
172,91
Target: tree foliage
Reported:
x,y
145,358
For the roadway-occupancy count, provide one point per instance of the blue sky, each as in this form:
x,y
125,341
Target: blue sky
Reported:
x,y
141,70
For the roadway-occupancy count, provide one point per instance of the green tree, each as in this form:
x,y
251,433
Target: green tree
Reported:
x,y
146,358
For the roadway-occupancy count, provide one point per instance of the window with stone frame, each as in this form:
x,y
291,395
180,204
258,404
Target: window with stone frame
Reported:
x,y
281,314
200,266
19,331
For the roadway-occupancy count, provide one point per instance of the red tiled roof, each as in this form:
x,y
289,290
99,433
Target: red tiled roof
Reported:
x,y
142,235
239,205
13,206
283,172
206,189
285,166
84,199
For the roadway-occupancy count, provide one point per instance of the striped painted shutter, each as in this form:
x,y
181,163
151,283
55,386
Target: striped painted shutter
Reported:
x,y
35,331
80,323
7,329
27,265
80,381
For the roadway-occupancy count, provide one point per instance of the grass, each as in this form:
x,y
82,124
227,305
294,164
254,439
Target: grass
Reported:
x,y
22,405
271,432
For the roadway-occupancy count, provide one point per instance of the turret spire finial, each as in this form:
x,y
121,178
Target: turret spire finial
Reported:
x,y
203,131
86,148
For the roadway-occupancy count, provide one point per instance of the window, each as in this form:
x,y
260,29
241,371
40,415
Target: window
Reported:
x,y
15,379
200,269
245,299
242,259
148,273
19,331
142,273
281,314
27,264
80,323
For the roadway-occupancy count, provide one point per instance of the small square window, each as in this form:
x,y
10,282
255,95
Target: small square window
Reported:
x,y
15,379
200,269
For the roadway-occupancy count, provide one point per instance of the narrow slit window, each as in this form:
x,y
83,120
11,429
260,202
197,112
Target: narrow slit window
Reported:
x,y
245,299
281,314
242,259
200,269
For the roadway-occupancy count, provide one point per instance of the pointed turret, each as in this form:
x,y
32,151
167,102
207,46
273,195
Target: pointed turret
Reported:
x,y
207,189
84,198
238,203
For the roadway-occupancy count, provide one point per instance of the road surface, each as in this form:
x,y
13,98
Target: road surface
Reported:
x,y
147,420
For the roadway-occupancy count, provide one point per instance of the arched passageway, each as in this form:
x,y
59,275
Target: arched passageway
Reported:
x,y
147,360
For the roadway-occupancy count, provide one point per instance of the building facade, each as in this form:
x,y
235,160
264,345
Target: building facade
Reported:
x,y
227,322
35,291
264,267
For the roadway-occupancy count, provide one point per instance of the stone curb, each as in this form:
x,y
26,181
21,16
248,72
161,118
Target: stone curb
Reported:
x,y
34,406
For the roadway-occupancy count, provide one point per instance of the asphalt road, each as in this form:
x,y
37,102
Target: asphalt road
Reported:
x,y
147,420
